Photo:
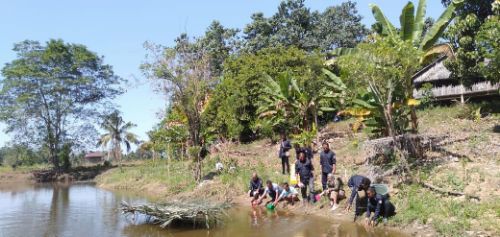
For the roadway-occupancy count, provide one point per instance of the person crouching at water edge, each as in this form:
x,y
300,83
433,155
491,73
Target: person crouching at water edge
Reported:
x,y
357,183
289,194
272,191
334,191
256,188
380,206
304,169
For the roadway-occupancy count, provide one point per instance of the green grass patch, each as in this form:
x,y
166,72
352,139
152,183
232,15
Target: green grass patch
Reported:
x,y
450,217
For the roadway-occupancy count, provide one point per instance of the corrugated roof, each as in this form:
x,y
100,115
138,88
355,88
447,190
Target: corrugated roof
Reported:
x,y
433,72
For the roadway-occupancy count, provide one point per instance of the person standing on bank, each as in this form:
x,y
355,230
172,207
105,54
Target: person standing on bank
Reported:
x,y
284,154
304,169
328,163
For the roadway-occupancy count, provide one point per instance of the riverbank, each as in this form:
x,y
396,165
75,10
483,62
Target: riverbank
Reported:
x,y
466,161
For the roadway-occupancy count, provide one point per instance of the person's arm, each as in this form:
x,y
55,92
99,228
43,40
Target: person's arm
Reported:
x,y
354,192
377,210
288,145
334,163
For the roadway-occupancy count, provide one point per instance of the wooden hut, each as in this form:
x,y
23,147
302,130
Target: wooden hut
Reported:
x,y
445,88
94,157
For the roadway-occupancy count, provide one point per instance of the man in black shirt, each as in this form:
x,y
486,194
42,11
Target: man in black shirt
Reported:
x,y
328,163
284,153
304,168
357,183
379,205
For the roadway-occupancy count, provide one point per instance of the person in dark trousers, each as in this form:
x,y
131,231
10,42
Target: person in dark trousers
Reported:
x,y
256,188
379,205
357,183
304,169
328,163
284,154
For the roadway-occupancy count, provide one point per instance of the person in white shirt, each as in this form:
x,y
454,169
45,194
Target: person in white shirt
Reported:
x,y
289,194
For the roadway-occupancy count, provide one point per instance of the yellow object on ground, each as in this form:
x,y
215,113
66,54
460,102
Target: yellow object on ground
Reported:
x,y
293,177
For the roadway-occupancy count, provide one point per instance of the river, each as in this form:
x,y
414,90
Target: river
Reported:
x,y
84,210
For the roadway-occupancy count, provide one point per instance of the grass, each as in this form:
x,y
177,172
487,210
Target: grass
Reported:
x,y
156,178
23,169
450,217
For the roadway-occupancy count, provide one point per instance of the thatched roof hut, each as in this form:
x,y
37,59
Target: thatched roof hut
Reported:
x,y
445,88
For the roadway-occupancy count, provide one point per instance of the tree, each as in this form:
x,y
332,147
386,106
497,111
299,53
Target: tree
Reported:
x,y
183,73
413,30
231,112
117,133
219,42
289,103
470,60
488,43
51,90
296,25
384,69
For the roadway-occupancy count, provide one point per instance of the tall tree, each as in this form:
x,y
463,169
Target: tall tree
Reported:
x,y
117,133
469,58
184,74
219,42
51,90
296,25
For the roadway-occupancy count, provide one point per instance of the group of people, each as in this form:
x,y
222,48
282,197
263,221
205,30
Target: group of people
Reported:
x,y
333,187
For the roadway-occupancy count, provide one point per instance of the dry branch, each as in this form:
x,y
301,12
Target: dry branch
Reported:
x,y
195,214
447,192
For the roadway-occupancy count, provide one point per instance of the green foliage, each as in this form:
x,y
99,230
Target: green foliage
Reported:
x,y
231,112
21,155
488,43
294,105
117,133
296,25
50,91
474,36
448,216
386,70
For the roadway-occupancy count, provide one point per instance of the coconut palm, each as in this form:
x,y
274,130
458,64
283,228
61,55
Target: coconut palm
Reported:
x,y
117,133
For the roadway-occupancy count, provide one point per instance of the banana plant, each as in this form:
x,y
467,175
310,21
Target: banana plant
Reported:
x,y
287,102
412,27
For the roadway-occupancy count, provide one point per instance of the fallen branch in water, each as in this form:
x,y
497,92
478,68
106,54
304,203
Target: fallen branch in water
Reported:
x,y
168,214
447,192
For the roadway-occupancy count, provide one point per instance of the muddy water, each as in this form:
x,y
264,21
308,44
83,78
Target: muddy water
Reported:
x,y
83,210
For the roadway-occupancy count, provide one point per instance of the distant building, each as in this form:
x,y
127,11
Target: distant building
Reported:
x,y
94,157
444,88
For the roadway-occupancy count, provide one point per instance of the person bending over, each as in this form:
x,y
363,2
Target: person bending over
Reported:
x,y
357,183
289,194
272,191
379,205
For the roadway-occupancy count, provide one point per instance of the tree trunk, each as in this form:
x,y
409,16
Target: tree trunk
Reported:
x,y
414,120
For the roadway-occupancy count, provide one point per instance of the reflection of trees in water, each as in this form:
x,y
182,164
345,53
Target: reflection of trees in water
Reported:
x,y
58,215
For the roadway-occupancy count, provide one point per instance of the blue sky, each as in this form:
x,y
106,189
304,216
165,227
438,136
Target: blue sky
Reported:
x,y
117,30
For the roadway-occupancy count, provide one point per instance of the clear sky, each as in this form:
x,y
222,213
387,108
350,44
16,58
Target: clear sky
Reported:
x,y
117,30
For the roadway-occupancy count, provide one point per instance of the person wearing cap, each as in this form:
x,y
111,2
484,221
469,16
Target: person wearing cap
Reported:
x,y
379,205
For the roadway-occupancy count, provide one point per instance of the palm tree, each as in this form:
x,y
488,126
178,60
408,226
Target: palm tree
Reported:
x,y
117,133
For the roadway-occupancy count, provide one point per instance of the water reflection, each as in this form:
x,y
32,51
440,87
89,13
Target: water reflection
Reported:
x,y
83,210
